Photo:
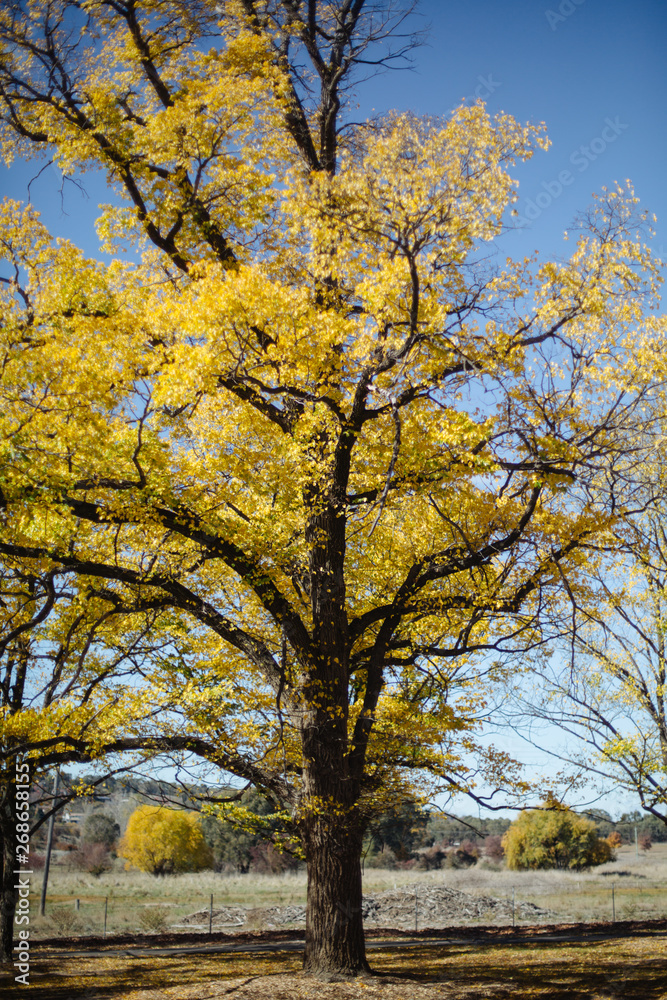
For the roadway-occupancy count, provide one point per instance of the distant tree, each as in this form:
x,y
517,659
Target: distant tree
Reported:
x,y
100,828
554,838
464,856
93,858
163,841
453,829
642,823
266,859
234,834
401,828
432,857
230,847
645,842
493,847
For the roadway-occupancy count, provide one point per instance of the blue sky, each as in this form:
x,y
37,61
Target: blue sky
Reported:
x,y
594,70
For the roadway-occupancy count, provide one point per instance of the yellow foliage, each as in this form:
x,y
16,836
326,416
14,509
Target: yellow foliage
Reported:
x,y
162,841
554,838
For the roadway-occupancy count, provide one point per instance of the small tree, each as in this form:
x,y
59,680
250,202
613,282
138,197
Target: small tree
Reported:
x,y
231,848
401,828
645,842
554,838
163,841
93,858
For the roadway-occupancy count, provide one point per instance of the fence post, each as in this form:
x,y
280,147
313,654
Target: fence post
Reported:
x,y
77,904
613,905
513,906
416,917
210,916
106,903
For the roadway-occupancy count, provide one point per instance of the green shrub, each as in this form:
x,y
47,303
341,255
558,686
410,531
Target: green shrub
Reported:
x,y
100,828
554,838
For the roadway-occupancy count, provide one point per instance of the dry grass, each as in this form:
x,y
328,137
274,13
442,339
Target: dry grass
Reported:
x,y
640,894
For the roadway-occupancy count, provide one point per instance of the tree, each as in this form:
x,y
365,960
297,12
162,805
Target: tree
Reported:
x,y
645,842
232,845
163,841
608,689
554,838
93,858
99,828
314,427
400,828
64,697
493,847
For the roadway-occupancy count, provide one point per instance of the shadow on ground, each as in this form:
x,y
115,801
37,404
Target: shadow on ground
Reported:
x,y
618,969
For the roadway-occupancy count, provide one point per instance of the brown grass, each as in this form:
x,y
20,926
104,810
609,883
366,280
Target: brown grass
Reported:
x,y
640,894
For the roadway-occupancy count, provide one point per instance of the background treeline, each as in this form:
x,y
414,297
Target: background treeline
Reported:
x,y
88,829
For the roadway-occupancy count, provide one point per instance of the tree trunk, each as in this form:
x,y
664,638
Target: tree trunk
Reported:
x,y
7,886
335,946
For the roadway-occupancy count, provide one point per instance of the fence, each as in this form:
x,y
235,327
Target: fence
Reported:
x,y
416,907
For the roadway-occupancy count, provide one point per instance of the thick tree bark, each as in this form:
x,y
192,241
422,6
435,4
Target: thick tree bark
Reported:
x,y
335,945
7,878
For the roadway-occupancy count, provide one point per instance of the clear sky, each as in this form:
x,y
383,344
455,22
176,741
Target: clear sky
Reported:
x,y
594,70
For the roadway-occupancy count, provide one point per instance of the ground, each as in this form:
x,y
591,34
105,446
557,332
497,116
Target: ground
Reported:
x,y
618,969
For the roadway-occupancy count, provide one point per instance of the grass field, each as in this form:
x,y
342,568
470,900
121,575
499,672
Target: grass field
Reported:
x,y
141,902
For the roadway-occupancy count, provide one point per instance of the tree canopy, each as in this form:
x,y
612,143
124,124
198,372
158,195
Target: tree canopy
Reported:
x,y
317,428
604,684
554,838
162,841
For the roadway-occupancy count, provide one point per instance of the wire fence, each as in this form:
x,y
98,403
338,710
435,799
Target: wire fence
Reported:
x,y
419,907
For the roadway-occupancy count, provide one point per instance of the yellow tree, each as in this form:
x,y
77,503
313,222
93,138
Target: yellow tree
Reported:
x,y
554,838
313,424
162,841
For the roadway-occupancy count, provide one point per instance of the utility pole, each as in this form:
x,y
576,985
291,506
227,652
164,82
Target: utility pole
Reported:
x,y
49,845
